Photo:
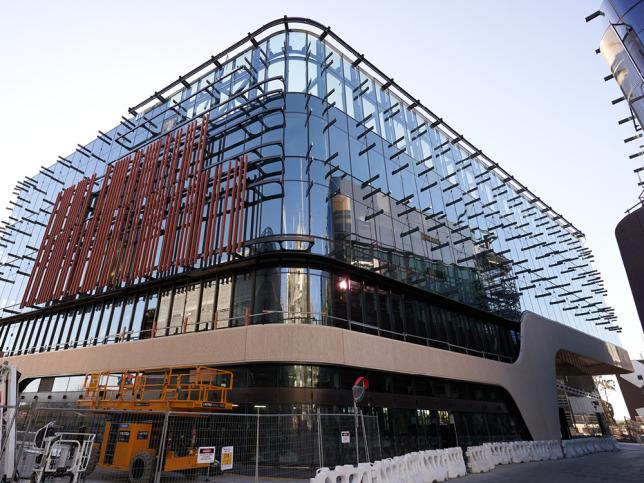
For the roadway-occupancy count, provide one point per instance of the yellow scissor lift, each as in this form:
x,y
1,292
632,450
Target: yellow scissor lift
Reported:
x,y
130,440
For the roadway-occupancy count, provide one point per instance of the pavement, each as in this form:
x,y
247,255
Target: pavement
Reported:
x,y
626,465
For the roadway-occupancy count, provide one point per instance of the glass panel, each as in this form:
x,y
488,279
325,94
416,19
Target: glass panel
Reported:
x,y
149,317
222,314
60,384
295,295
81,334
242,300
319,282
178,306
267,296
104,331
207,305
122,332
163,313
134,331
192,308
95,325
75,383
115,321
32,386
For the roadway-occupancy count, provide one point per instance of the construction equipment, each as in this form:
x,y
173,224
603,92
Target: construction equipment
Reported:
x,y
8,400
132,438
62,454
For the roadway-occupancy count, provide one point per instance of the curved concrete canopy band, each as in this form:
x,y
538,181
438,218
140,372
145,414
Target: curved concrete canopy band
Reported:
x,y
530,380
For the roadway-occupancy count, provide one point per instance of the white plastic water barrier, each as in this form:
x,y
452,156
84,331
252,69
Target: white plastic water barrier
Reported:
x,y
442,464
579,447
418,467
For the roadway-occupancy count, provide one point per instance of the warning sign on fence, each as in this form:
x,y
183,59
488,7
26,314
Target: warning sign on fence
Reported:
x,y
345,436
206,455
227,458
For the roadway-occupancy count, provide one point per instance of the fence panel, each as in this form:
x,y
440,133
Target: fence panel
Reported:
x,y
128,444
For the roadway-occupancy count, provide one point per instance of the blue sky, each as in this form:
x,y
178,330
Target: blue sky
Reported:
x,y
519,79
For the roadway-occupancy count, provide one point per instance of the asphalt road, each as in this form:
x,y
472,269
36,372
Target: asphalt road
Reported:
x,y
626,465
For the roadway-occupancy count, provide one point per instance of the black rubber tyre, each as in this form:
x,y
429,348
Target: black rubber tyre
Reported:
x,y
142,468
93,459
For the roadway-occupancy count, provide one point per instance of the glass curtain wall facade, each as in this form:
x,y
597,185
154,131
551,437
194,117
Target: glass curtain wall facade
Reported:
x,y
336,156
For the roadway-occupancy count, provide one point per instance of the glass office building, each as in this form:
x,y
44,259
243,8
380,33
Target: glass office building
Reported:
x,y
287,180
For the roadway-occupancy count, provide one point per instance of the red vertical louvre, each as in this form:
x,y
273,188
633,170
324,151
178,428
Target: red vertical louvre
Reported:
x,y
222,223
186,214
110,241
169,200
110,190
160,198
146,223
121,247
148,220
174,202
203,178
172,238
92,238
103,225
233,207
194,206
80,261
147,166
133,225
76,261
66,238
53,260
148,210
242,213
117,186
38,269
211,225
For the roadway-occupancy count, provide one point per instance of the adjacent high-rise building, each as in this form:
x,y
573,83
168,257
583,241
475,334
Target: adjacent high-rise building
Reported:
x,y
288,211
622,48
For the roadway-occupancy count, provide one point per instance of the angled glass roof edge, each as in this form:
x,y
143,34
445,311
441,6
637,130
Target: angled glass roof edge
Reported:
x,y
284,24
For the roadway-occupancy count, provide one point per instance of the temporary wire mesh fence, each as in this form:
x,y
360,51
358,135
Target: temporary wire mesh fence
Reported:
x,y
149,446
